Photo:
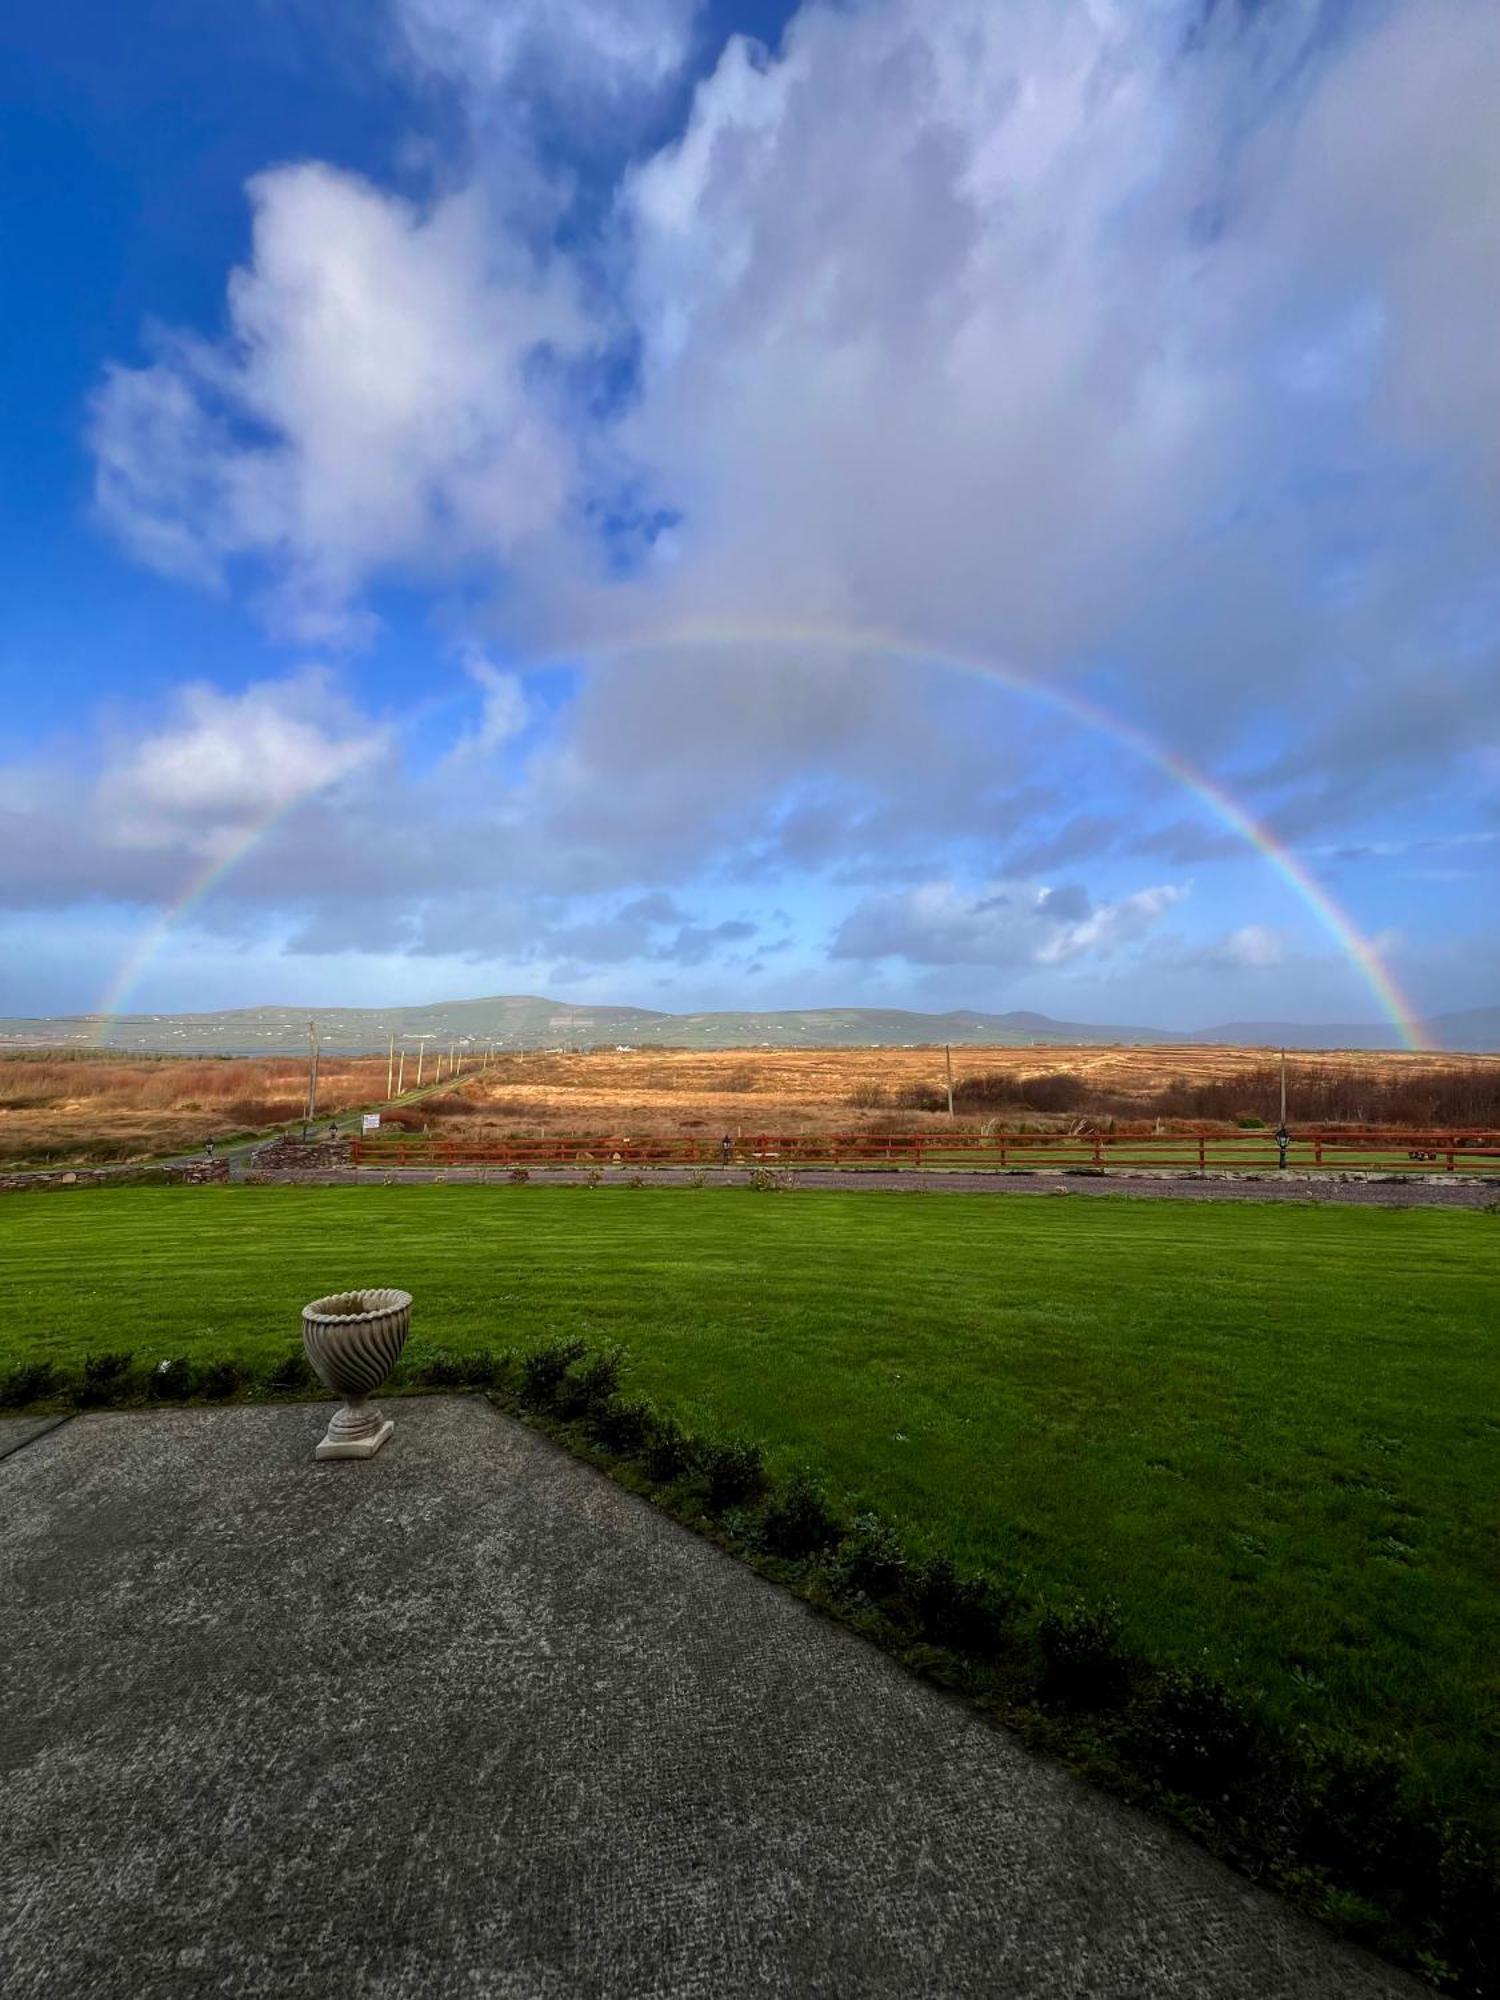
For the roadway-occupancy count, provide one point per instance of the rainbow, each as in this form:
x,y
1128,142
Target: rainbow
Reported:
x,y
1352,944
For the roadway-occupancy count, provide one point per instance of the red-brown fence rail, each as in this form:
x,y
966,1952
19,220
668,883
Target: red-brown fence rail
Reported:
x,y
1327,1151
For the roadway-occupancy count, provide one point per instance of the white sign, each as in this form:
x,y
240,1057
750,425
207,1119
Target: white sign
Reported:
x,y
371,1121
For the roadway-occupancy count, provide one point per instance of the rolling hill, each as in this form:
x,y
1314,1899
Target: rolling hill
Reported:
x,y
523,1021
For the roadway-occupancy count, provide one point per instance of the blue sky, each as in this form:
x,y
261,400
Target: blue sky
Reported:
x,y
496,494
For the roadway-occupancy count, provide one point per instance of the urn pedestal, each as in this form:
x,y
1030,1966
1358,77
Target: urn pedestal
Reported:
x,y
352,1340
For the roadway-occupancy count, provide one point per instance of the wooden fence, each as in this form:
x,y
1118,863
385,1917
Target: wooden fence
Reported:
x,y
1327,1151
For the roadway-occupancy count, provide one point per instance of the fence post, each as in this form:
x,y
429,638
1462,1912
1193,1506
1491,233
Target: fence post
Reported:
x,y
1201,1161
1318,1150
1098,1150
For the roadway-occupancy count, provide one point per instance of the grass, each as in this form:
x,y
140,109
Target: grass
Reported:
x,y
1271,1434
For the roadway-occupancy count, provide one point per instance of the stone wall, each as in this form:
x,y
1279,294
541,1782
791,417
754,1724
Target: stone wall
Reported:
x,y
191,1173
288,1155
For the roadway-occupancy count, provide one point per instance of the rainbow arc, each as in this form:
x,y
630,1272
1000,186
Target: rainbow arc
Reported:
x,y
1229,811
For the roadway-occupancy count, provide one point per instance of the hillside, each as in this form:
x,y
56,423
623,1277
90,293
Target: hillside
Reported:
x,y
530,1022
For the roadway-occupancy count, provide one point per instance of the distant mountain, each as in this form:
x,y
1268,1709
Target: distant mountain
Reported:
x,y
1477,1030
1296,1035
1474,1032
523,1021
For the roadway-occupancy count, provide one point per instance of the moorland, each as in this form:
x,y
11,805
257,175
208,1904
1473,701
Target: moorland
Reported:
x,y
66,1107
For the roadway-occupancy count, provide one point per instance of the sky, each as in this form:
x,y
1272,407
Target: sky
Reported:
x,y
925,503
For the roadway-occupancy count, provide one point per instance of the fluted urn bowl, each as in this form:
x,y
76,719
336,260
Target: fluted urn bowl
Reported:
x,y
353,1341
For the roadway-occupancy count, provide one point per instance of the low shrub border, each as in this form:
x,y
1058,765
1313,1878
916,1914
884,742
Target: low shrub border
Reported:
x,y
1329,1824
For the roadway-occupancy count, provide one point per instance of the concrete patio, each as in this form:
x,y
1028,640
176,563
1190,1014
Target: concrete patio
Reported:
x,y
468,1719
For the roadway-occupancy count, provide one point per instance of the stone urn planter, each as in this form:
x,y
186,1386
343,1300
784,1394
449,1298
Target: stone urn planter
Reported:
x,y
352,1341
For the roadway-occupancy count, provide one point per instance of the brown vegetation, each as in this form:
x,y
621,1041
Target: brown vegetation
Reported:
x,y
652,1092
70,1108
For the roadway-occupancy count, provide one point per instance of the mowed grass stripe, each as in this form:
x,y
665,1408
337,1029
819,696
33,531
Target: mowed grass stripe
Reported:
x,y
1272,1434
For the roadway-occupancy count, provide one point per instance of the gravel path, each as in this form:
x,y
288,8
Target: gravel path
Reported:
x,y
1436,1192
469,1720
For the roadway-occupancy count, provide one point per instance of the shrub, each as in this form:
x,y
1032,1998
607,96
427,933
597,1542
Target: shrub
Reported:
x,y
171,1381
765,1180
1467,1871
104,1379
481,1370
669,1451
800,1523
1359,1824
591,1386
953,1610
220,1379
620,1426
1085,1663
1193,1732
440,1371
594,1177
291,1372
28,1382
740,1526
543,1369
872,1562
735,1469
519,1176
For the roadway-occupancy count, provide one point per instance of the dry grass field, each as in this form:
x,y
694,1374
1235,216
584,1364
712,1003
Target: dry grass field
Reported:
x,y
79,1108
83,1108
645,1092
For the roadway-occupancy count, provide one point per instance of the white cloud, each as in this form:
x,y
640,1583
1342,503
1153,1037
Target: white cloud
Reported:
x,y
1254,945
1384,193
579,51
226,761
1104,931
382,400
1013,925
503,708
1033,376
1122,336
967,380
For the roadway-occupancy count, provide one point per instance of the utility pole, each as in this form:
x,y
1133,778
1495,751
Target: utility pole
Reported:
x,y
421,1042
390,1068
1283,1137
401,1075
948,1058
312,1071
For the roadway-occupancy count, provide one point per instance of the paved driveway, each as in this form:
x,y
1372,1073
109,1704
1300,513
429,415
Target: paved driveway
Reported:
x,y
469,1720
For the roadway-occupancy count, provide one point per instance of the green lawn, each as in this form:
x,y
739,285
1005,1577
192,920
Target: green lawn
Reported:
x,y
1271,1433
